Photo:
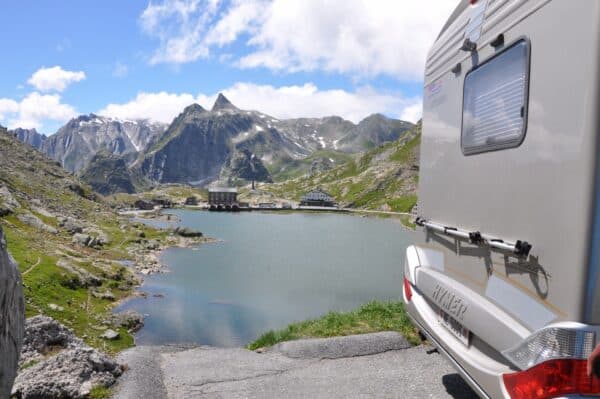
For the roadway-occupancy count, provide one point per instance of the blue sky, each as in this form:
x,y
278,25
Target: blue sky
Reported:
x,y
134,59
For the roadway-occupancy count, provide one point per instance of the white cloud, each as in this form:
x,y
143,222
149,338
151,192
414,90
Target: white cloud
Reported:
x,y
237,20
120,70
7,106
34,109
355,37
179,26
161,107
413,112
54,78
282,102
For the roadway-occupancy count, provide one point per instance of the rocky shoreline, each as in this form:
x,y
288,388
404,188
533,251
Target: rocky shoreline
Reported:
x,y
55,362
147,252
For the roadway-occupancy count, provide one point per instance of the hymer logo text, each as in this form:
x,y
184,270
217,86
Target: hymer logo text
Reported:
x,y
450,302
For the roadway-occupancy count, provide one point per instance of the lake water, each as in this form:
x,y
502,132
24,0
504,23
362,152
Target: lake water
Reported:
x,y
267,271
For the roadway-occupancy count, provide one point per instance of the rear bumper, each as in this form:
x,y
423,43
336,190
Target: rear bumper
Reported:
x,y
482,372
453,361
478,390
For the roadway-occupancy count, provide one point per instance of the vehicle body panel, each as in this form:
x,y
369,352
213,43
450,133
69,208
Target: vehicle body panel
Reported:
x,y
543,191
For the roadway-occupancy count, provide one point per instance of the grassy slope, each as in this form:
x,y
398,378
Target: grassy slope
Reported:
x,y
384,178
299,167
372,317
37,182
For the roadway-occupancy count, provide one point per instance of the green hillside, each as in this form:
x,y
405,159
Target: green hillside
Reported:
x,y
384,178
68,242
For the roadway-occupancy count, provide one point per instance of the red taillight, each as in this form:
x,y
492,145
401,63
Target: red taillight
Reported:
x,y
552,379
473,2
407,289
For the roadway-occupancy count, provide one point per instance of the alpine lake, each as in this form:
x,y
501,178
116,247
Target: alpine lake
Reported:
x,y
265,271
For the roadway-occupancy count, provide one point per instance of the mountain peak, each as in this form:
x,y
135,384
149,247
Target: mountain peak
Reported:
x,y
222,103
193,108
376,116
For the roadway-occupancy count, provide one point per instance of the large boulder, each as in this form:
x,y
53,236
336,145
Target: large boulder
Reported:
x,y
70,224
187,232
130,319
99,236
43,334
81,239
71,373
12,318
91,237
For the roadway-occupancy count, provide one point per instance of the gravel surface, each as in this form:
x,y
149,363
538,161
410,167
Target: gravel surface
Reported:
x,y
370,365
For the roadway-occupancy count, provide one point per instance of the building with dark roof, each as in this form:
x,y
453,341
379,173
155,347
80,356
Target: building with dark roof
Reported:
x,y
222,196
317,197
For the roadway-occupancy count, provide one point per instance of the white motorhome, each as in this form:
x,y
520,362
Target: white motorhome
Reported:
x,y
505,276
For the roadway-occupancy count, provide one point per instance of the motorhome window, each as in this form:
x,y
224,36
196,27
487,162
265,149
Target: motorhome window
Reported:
x,y
495,102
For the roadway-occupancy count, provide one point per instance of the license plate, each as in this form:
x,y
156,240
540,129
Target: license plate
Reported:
x,y
457,329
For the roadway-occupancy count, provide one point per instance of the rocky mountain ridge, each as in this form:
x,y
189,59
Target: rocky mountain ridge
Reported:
x,y
81,138
225,144
30,136
202,146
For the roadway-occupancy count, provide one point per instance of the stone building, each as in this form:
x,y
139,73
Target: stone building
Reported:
x,y
222,196
317,197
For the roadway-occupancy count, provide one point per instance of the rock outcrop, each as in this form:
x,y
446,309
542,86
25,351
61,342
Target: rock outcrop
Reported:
x,y
42,335
71,373
130,319
108,174
90,237
76,276
245,165
187,232
12,318
34,221
8,204
71,224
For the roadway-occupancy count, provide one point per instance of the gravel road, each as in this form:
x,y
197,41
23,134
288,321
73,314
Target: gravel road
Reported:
x,y
381,365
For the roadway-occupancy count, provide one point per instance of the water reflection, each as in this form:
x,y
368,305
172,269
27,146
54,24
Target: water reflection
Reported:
x,y
268,270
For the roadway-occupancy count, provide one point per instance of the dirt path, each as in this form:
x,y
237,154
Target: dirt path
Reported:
x,y
32,266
